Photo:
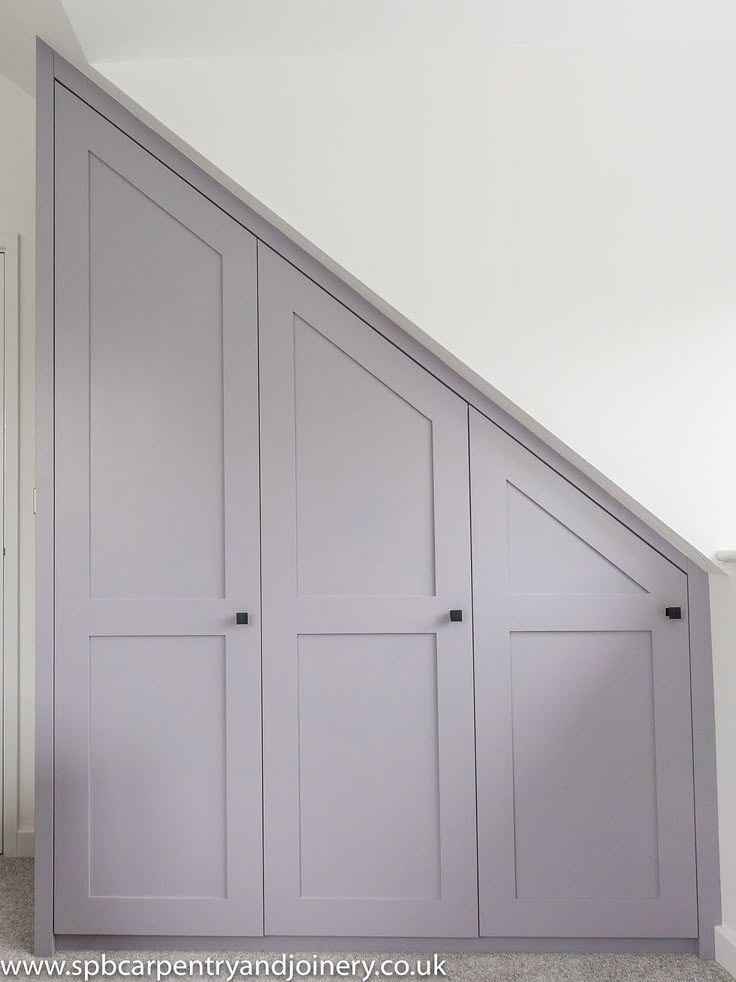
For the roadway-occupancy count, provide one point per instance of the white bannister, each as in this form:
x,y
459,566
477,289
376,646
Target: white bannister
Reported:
x,y
726,556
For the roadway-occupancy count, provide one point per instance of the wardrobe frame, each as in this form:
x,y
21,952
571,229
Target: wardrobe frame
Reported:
x,y
53,70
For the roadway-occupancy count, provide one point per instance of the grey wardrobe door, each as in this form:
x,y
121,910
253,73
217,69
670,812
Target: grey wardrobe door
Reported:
x,y
158,746
369,787
585,785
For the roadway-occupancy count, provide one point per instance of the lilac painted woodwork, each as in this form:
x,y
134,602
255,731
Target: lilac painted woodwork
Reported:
x,y
43,867
369,796
158,734
584,756
582,693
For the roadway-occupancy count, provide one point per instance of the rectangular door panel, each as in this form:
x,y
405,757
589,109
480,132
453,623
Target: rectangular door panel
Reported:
x,y
356,837
585,804
369,797
584,753
174,732
157,691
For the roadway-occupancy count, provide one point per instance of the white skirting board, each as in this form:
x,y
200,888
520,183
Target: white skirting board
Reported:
x,y
18,843
726,948
24,843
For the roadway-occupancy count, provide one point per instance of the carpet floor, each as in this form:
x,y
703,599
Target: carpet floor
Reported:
x,y
16,916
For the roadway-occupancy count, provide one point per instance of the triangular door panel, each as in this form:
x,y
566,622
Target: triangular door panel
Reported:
x,y
545,556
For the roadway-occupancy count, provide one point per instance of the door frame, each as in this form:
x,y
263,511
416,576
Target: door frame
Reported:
x,y
52,69
9,653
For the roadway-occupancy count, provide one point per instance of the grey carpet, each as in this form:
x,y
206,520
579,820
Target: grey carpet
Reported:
x,y
16,913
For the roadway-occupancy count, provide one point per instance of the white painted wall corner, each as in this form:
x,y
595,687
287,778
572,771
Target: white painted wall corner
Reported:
x,y
9,320
726,948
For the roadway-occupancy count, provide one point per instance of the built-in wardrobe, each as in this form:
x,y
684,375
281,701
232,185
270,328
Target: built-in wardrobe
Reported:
x,y
337,658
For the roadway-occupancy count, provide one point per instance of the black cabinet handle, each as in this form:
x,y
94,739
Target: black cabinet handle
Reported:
x,y
456,615
241,617
674,613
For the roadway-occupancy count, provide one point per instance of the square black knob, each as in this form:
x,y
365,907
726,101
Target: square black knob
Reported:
x,y
456,615
674,613
241,617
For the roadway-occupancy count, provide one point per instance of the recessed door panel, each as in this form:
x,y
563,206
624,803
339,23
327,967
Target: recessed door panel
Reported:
x,y
157,431
157,691
547,556
157,758
584,755
361,698
369,798
585,803
365,509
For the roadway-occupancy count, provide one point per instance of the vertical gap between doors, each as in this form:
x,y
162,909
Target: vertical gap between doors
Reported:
x,y
472,644
260,591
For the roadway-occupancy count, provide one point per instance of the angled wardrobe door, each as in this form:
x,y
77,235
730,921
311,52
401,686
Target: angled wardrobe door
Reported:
x,y
585,783
158,755
369,796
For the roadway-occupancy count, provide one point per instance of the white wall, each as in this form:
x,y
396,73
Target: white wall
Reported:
x,y
723,606
17,215
561,219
